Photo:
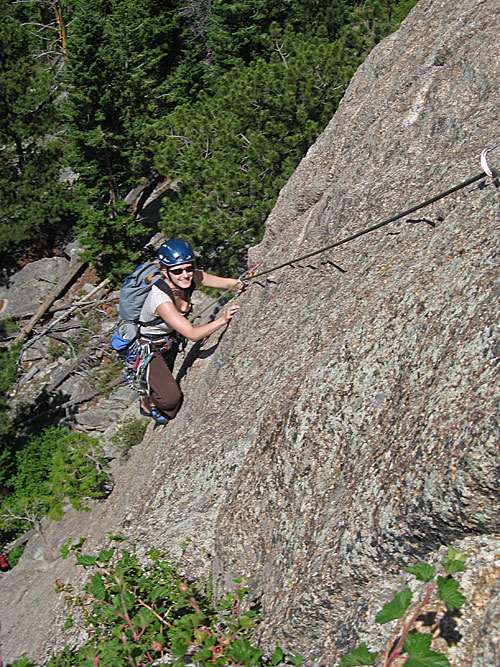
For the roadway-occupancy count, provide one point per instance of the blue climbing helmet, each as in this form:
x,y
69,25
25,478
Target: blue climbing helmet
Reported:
x,y
175,251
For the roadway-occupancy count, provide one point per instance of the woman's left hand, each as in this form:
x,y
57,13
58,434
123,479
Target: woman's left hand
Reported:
x,y
230,311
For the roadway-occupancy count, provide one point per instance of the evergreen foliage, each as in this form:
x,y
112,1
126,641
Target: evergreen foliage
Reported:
x,y
49,471
35,206
222,98
8,439
232,149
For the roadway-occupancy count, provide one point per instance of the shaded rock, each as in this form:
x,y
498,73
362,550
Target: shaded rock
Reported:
x,y
72,251
120,399
36,351
75,387
29,287
109,412
94,419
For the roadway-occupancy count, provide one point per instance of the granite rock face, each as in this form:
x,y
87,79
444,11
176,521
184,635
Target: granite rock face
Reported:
x,y
346,423
30,286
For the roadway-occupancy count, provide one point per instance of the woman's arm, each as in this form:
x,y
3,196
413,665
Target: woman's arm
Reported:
x,y
209,280
169,314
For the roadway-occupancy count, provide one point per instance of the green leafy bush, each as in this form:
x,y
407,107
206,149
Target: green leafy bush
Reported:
x,y
136,613
130,434
416,645
8,441
51,470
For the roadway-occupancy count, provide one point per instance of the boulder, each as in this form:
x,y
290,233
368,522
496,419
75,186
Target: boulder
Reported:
x,y
29,287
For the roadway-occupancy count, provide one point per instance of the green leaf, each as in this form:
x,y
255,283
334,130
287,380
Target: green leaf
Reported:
x,y
449,593
418,644
96,587
277,656
129,600
65,549
358,656
69,623
144,618
454,566
419,654
179,648
204,654
396,608
242,651
159,592
246,622
454,561
296,660
105,555
453,554
422,571
86,561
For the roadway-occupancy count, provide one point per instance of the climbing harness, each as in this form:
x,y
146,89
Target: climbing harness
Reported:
x,y
135,365
137,358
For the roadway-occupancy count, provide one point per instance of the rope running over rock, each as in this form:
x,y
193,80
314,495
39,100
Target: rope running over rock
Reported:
x,y
350,238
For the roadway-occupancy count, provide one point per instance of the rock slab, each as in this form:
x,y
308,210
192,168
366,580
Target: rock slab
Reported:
x,y
346,424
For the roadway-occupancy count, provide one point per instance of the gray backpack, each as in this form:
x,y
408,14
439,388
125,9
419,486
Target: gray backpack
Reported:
x,y
133,293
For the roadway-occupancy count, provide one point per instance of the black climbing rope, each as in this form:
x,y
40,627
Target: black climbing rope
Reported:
x,y
487,171
393,218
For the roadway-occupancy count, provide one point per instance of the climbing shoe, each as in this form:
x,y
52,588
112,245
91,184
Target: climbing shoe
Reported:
x,y
154,414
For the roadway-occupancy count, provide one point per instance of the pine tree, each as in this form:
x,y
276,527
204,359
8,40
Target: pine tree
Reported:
x,y
35,206
119,59
234,149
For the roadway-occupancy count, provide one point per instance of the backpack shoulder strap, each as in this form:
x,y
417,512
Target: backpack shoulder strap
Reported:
x,y
166,289
162,285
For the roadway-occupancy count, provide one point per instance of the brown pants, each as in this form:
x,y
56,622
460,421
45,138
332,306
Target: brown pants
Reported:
x,y
164,392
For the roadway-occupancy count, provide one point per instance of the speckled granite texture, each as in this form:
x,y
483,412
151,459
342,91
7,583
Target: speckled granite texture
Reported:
x,y
346,424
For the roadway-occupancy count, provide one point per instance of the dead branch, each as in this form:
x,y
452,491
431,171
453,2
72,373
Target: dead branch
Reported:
x,y
60,286
59,379
66,313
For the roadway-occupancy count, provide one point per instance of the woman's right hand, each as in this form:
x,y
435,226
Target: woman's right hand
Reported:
x,y
230,311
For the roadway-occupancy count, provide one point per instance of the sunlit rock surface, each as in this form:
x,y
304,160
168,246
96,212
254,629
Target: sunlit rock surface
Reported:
x,y
346,424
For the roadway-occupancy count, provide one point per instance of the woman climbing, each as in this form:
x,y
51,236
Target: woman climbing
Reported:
x,y
164,316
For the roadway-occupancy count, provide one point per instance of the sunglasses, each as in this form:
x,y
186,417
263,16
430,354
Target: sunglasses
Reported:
x,y
179,271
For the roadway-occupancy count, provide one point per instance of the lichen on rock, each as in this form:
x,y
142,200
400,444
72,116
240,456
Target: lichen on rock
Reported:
x,y
346,423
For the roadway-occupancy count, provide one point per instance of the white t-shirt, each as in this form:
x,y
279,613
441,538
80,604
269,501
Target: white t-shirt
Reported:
x,y
154,299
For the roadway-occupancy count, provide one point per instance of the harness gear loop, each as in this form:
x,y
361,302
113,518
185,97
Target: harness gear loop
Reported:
x,y
136,363
484,162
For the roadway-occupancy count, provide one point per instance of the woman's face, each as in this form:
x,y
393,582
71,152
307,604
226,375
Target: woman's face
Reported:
x,y
181,275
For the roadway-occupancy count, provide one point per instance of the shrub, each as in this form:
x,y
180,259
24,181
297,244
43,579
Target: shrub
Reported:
x,y
130,434
53,469
416,645
136,613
